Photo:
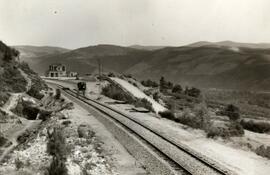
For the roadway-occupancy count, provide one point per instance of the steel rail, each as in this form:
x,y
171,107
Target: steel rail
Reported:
x,y
188,151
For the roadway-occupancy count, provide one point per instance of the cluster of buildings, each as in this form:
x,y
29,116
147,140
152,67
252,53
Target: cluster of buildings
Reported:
x,y
59,70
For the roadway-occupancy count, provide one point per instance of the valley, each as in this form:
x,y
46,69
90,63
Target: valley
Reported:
x,y
155,87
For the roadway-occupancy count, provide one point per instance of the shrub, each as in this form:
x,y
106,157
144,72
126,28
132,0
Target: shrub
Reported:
x,y
3,140
11,80
233,129
4,96
198,119
167,114
144,103
217,132
134,84
263,151
18,164
260,127
66,123
56,145
128,75
35,92
231,111
188,118
58,94
57,167
202,112
111,74
23,137
84,131
148,92
25,67
116,93
149,83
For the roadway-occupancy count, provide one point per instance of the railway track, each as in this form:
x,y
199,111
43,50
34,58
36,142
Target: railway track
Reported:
x,y
180,157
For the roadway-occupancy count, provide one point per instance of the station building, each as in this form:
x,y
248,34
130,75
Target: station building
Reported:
x,y
59,70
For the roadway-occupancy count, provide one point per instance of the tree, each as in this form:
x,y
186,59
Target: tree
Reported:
x,y
156,96
232,112
162,84
169,85
177,89
193,92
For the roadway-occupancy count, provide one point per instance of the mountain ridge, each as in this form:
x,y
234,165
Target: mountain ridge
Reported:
x,y
229,43
206,66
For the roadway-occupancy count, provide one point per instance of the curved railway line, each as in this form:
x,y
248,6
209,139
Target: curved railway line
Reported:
x,y
180,157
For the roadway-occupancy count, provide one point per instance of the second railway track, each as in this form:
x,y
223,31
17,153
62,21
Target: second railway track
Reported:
x,y
182,159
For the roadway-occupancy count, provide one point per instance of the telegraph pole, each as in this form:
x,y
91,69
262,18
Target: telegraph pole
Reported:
x,y
99,77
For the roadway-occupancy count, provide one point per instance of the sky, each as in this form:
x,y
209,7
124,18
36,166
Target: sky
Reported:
x,y
78,23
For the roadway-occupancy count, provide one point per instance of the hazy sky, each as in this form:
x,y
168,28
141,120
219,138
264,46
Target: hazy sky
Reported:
x,y
78,23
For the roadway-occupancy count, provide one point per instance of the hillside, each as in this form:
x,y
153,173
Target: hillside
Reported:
x,y
231,44
15,76
31,53
209,67
147,47
205,66
85,60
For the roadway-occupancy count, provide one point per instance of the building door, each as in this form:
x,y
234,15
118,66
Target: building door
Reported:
x,y
52,75
56,74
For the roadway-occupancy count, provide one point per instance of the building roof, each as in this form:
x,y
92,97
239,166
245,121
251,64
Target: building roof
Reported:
x,y
57,64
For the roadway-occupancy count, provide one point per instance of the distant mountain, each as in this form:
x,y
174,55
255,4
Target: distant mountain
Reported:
x,y
151,48
209,66
31,53
231,44
85,60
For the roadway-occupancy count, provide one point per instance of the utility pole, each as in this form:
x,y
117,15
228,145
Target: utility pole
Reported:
x,y
99,77
99,68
